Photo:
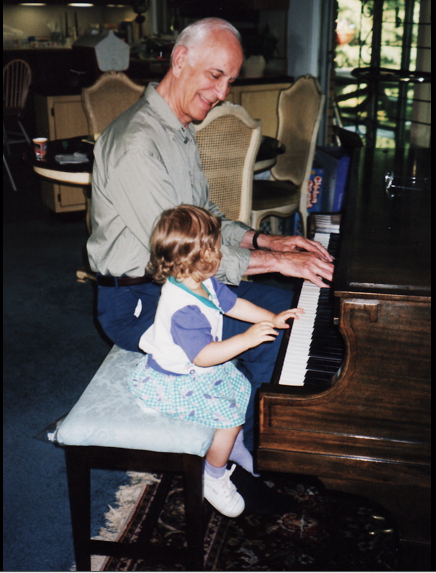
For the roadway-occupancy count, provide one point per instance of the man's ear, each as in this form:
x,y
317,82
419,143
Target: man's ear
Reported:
x,y
179,59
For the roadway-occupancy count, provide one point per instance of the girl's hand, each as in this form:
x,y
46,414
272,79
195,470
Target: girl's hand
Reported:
x,y
258,333
280,319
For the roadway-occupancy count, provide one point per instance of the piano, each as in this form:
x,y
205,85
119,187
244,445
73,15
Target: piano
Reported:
x,y
349,401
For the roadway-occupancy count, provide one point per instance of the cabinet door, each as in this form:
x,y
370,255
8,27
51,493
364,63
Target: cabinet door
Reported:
x,y
60,117
69,119
63,198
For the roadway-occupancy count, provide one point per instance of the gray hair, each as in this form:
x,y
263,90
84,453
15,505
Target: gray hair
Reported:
x,y
195,33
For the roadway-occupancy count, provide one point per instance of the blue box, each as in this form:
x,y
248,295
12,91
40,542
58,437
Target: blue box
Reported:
x,y
336,162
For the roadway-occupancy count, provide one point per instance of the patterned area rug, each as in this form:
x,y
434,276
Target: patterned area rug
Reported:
x,y
324,531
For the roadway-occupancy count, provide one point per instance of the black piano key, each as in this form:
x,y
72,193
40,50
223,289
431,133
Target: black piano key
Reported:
x,y
319,365
318,343
324,334
326,350
327,343
317,379
332,356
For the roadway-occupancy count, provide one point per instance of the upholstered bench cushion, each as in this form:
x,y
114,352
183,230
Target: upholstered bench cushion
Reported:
x,y
108,415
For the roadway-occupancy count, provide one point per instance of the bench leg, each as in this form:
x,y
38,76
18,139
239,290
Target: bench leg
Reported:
x,y
79,490
193,490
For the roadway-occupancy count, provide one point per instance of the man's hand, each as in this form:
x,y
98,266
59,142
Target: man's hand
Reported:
x,y
305,265
284,244
290,256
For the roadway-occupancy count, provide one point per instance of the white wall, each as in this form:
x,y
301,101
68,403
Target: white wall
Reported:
x,y
304,35
309,45
276,20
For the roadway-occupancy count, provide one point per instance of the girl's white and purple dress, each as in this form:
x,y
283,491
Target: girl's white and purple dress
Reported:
x,y
167,378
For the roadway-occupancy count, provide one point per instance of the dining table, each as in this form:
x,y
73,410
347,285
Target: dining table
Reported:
x,y
76,167
76,172
71,173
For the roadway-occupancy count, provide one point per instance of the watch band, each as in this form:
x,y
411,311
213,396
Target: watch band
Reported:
x,y
255,243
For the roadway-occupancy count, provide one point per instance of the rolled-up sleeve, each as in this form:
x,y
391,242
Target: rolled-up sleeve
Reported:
x,y
235,259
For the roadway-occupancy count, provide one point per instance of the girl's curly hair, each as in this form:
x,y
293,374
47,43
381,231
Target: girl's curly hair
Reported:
x,y
184,242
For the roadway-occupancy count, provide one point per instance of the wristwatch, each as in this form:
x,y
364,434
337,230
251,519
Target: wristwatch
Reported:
x,y
255,243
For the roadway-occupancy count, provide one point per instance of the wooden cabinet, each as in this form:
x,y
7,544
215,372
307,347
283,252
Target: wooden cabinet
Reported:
x,y
260,101
59,117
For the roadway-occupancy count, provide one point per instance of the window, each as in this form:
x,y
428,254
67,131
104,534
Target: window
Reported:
x,y
374,38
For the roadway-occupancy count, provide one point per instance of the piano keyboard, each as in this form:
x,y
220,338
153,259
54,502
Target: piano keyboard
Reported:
x,y
315,352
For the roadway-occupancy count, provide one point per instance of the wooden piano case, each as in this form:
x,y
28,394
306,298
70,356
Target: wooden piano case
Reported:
x,y
369,432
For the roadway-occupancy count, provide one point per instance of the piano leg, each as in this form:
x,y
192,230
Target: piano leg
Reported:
x,y
409,506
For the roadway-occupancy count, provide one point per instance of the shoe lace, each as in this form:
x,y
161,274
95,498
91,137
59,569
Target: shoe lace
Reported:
x,y
228,485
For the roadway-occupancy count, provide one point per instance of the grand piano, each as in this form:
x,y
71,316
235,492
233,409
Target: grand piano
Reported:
x,y
349,401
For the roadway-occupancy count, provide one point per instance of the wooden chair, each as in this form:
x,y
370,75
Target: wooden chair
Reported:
x,y
228,140
107,429
299,109
8,171
17,78
108,98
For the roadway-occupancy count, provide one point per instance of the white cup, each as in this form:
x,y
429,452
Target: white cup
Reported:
x,y
40,146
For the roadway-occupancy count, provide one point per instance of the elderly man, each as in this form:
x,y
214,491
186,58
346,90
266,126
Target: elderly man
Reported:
x,y
146,161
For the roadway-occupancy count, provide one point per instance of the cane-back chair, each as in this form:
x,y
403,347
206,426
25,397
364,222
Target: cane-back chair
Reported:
x,y
300,109
228,141
108,98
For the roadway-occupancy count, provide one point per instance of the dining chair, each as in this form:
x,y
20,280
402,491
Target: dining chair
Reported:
x,y
8,171
17,77
228,140
108,98
300,109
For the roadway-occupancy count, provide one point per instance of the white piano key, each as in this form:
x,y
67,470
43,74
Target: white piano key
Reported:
x,y
295,362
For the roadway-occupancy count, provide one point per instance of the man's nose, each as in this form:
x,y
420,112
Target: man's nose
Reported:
x,y
222,89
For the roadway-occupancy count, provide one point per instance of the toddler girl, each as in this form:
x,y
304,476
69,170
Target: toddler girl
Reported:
x,y
187,371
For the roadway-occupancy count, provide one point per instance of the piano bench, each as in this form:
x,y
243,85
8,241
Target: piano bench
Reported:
x,y
107,429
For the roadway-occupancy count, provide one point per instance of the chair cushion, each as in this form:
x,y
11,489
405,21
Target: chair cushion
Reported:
x,y
268,194
108,415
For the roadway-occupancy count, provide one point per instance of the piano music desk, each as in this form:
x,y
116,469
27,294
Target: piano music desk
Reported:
x,y
368,433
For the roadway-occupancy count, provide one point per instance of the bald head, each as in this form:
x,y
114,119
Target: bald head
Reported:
x,y
196,33
205,62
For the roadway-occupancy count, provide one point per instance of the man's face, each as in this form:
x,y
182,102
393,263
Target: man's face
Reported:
x,y
204,75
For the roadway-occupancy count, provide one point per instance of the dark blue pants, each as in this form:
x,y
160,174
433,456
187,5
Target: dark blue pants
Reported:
x,y
116,313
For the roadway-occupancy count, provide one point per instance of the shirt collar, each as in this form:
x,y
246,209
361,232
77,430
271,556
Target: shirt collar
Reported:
x,y
166,114
204,300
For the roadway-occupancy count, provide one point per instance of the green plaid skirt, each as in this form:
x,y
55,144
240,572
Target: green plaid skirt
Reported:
x,y
216,398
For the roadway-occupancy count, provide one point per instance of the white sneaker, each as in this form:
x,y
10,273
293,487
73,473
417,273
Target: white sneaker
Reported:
x,y
222,494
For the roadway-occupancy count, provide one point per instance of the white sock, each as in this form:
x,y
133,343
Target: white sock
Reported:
x,y
214,471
